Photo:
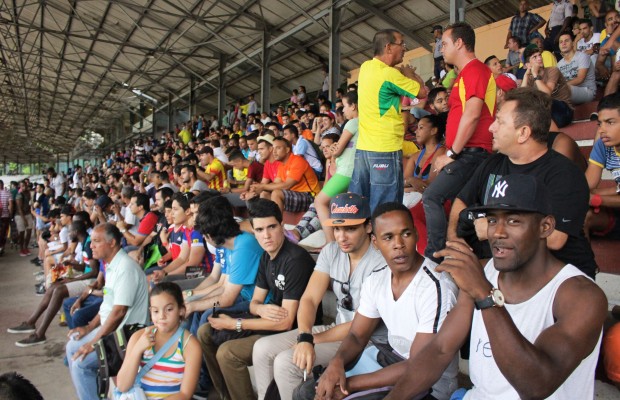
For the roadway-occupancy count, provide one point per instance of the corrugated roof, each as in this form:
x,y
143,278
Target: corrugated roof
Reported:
x,y
69,66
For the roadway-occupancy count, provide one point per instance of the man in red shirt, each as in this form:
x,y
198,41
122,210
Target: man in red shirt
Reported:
x,y
270,167
469,142
296,183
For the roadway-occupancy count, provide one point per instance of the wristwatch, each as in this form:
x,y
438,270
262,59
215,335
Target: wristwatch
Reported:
x,y
538,78
238,325
305,337
452,154
189,293
495,299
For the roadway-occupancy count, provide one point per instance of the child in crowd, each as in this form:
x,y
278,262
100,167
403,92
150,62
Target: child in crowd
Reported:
x,y
176,373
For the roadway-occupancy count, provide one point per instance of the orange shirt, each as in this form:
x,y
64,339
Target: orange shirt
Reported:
x,y
297,168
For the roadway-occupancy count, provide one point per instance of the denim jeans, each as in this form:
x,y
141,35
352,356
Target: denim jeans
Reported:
x,y
445,187
200,318
378,177
85,314
83,371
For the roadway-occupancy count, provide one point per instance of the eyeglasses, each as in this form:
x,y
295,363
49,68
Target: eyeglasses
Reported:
x,y
403,44
347,301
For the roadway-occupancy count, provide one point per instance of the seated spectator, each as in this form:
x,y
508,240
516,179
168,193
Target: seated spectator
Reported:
x,y
344,265
520,136
270,166
324,124
134,237
409,285
419,171
603,218
303,148
214,172
245,173
284,272
176,373
86,270
606,55
296,183
176,239
231,282
189,176
448,79
587,41
58,248
125,301
513,59
438,100
578,71
14,386
548,58
80,310
550,81
544,311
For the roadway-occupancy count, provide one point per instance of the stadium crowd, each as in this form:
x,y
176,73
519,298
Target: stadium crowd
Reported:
x,y
444,216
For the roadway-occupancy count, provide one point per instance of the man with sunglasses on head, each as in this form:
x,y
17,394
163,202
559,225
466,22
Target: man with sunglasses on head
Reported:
x,y
411,298
343,265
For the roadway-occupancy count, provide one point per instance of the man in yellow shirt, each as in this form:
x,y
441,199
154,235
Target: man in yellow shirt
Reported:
x,y
378,159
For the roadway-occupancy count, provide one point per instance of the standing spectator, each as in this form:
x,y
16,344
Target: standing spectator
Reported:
x,y
559,21
598,9
252,106
578,71
378,160
6,212
125,301
468,140
57,182
524,25
23,218
437,56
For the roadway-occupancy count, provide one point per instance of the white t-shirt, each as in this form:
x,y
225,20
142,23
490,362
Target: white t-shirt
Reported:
x,y
571,69
582,45
422,307
56,184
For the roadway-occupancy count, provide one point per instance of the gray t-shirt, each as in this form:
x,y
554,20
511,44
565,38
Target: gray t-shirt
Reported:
x,y
335,262
200,186
571,69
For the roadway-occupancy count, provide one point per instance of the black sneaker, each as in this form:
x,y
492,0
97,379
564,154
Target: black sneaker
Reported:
x,y
40,290
22,328
31,340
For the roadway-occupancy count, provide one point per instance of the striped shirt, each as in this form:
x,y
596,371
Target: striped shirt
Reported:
x,y
5,198
165,378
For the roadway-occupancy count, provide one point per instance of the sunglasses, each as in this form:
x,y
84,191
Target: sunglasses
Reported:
x,y
347,301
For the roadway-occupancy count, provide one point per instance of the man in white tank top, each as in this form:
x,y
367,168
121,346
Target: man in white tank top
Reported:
x,y
535,322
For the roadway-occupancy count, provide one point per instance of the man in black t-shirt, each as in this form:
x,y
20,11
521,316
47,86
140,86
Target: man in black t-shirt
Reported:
x,y
283,274
520,135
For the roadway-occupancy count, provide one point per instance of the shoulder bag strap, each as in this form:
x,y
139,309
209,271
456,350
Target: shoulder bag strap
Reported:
x,y
160,353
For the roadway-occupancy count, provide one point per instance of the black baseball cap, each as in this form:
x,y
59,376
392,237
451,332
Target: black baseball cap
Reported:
x,y
518,192
348,209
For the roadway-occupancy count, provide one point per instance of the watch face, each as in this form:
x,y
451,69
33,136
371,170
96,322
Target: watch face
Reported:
x,y
498,298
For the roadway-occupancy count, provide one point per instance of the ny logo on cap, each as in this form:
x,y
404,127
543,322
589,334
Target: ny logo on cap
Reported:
x,y
500,189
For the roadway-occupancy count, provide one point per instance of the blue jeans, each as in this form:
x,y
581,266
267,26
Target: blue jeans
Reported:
x,y
378,177
200,318
83,371
85,314
445,187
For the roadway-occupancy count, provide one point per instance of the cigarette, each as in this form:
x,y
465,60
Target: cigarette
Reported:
x,y
305,375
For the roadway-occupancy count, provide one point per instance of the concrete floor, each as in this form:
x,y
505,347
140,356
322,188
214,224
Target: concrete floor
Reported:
x,y
43,364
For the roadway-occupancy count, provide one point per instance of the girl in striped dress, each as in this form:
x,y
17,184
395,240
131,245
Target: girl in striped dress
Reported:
x,y
175,375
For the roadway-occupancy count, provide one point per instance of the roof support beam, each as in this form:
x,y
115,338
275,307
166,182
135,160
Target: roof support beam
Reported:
x,y
265,86
335,15
457,11
221,93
